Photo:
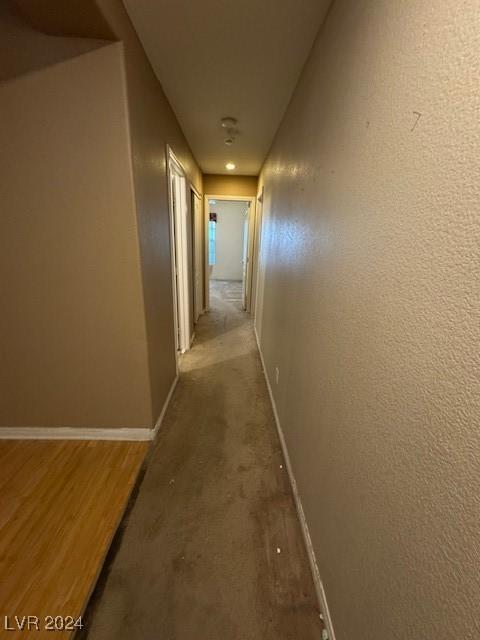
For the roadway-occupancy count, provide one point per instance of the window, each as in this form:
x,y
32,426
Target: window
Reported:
x,y
211,241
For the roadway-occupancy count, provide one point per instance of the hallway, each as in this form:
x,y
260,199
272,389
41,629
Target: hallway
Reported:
x,y
212,548
154,154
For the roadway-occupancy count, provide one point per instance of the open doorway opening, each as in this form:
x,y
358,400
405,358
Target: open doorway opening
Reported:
x,y
230,225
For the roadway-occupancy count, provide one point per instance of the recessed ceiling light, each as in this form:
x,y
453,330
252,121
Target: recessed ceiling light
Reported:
x,y
230,166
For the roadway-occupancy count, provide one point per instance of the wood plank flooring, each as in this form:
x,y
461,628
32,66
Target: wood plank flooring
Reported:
x,y
60,504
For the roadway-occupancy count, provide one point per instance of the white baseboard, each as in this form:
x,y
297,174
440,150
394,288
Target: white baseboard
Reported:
x,y
320,591
159,421
88,433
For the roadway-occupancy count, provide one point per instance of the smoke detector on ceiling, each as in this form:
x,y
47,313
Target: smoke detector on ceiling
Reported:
x,y
230,125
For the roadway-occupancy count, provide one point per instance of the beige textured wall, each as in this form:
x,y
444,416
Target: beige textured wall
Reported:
x,y
79,18
22,49
220,185
371,310
72,331
152,126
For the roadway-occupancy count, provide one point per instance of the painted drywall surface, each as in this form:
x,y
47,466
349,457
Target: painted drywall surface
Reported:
x,y
371,308
72,332
230,185
152,126
22,49
229,239
78,18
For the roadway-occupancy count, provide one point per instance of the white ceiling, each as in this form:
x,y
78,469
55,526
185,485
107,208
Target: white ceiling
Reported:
x,y
217,58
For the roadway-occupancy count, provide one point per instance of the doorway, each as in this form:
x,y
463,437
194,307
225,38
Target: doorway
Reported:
x,y
229,237
181,252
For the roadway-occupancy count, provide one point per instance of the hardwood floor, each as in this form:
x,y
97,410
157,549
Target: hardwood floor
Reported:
x,y
60,504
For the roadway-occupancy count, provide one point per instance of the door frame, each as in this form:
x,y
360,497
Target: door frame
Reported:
x,y
178,186
251,200
198,256
257,247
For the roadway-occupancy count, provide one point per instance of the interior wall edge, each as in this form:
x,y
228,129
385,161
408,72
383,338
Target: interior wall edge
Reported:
x,y
132,434
136,209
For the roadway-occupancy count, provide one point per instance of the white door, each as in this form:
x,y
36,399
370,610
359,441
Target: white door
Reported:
x,y
179,221
173,222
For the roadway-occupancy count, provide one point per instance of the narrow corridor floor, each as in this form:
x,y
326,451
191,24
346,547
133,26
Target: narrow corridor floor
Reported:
x,y
212,548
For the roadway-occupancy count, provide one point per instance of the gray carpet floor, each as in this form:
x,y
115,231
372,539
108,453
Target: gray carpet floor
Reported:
x,y
212,548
